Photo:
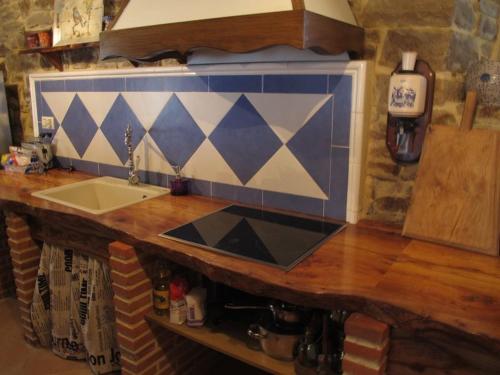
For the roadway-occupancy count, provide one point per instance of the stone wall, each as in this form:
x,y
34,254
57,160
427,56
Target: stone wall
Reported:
x,y
449,34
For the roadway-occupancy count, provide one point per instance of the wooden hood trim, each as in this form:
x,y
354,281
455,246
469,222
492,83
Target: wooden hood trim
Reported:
x,y
296,28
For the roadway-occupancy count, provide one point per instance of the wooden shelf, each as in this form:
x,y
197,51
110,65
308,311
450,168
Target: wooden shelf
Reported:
x,y
54,54
230,339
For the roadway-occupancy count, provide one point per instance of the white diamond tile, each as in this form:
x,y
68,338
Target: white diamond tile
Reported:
x,y
207,108
98,104
147,105
283,173
59,103
100,151
151,158
287,113
208,164
63,146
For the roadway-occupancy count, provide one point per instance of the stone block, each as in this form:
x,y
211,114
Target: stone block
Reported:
x,y
446,90
464,16
395,13
432,46
463,52
39,20
488,28
489,8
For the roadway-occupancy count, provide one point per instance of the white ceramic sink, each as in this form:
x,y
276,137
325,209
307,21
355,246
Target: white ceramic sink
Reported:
x,y
100,195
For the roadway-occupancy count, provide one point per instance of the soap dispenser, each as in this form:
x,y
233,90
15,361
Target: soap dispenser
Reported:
x,y
411,91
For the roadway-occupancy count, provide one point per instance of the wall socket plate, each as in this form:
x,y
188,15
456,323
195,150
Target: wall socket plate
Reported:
x,y
47,122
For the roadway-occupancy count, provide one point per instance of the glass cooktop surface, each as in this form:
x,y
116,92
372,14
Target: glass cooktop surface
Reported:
x,y
263,236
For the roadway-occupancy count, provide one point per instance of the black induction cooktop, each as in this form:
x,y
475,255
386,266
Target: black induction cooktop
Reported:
x,y
267,237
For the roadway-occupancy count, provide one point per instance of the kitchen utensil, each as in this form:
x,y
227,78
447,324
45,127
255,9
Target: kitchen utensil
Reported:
x,y
276,342
456,198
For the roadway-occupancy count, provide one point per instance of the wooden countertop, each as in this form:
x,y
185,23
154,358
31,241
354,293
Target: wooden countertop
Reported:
x,y
395,279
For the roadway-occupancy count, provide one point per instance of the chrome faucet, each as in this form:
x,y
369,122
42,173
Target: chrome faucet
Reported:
x,y
133,173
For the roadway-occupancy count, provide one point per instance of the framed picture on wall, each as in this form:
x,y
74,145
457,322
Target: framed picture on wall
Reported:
x,y
77,21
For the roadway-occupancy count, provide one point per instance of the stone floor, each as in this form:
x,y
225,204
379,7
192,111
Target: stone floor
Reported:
x,y
19,358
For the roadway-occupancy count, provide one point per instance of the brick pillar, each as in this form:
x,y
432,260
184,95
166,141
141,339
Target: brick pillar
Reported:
x,y
7,287
25,255
365,346
146,348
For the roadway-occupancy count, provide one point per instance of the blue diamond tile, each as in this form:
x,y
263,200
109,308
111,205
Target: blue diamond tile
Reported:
x,y
341,87
311,145
79,126
176,133
244,139
115,123
337,204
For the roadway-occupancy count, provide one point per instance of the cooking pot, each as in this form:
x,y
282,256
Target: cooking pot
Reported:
x,y
277,343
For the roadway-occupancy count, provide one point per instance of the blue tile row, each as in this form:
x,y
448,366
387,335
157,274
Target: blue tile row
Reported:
x,y
272,83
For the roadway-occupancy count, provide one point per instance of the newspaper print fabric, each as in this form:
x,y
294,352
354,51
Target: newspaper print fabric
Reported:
x,y
72,310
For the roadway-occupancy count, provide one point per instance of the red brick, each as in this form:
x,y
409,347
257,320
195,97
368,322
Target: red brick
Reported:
x,y
134,303
26,264
144,363
124,266
121,250
354,367
130,278
19,232
132,291
132,330
22,244
134,343
371,353
14,221
135,356
25,284
20,256
25,274
25,295
135,316
366,328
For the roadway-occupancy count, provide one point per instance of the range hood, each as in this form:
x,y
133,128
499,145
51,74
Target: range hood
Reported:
x,y
150,30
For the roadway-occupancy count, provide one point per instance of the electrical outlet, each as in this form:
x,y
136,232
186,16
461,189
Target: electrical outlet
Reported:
x,y
47,122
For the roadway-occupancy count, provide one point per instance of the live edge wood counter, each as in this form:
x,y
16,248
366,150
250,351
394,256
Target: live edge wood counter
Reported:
x,y
406,283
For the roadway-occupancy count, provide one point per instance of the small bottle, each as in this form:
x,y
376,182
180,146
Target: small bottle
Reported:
x,y
161,291
178,310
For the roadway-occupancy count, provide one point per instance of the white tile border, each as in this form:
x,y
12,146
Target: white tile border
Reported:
x,y
356,69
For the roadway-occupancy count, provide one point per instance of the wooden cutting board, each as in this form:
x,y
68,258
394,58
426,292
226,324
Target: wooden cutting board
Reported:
x,y
456,197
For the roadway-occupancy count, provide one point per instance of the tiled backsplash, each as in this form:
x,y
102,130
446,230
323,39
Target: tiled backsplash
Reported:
x,y
277,135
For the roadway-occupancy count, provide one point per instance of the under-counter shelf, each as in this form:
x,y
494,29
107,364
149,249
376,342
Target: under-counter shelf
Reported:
x,y
230,339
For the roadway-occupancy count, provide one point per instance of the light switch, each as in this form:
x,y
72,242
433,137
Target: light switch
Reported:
x,y
47,122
